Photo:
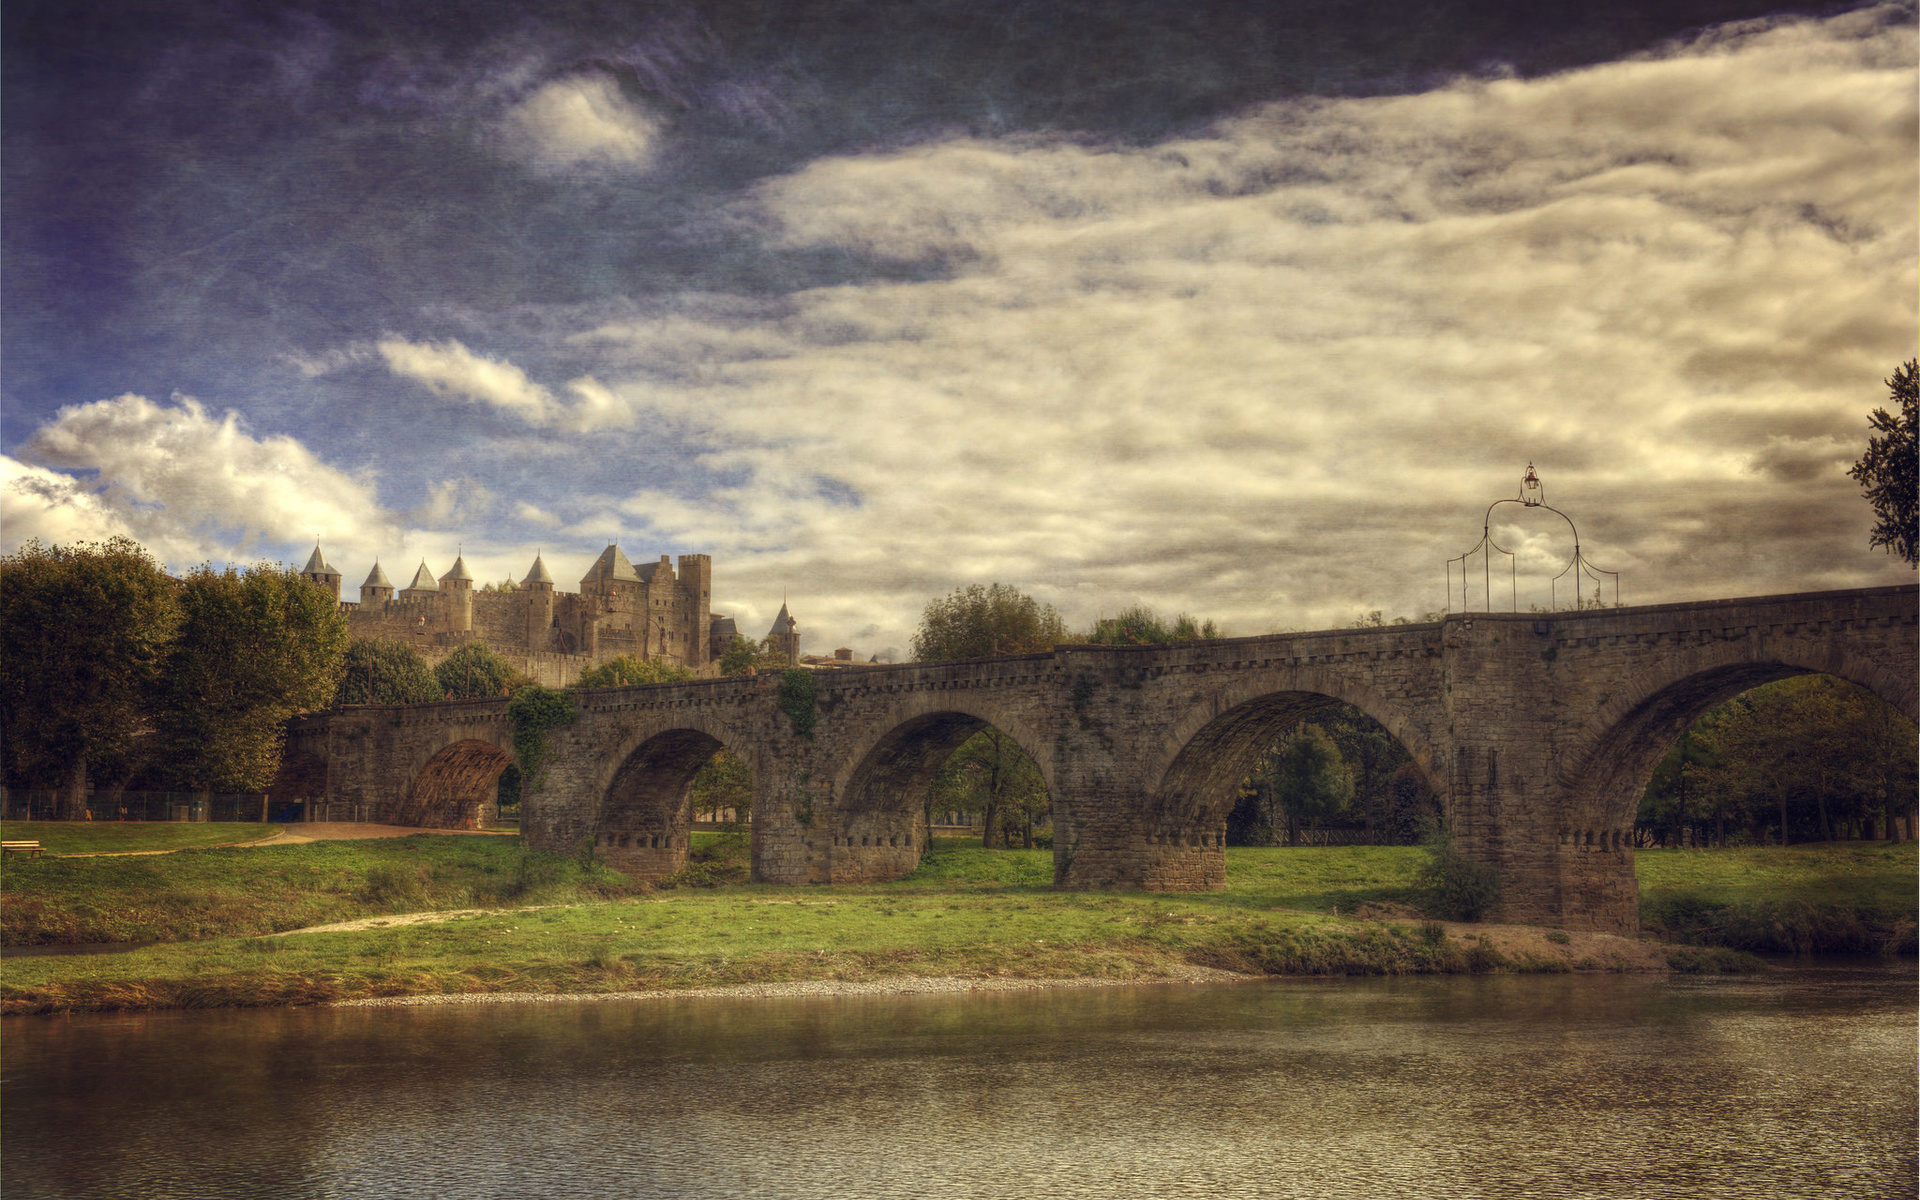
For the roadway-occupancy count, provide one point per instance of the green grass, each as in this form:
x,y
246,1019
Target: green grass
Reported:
x,y
1829,897
95,837
246,891
966,911
688,937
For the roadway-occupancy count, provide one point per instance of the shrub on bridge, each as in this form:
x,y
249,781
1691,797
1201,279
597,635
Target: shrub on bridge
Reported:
x,y
533,711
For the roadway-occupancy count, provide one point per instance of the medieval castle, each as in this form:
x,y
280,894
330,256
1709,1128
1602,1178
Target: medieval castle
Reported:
x,y
649,612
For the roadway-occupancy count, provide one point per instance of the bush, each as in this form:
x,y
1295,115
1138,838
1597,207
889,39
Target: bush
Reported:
x,y
1451,885
396,888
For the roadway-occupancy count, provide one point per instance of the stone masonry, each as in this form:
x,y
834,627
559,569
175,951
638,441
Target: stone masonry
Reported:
x,y
1537,732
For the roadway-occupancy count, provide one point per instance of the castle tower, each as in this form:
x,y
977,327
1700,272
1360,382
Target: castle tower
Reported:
x,y
321,573
378,588
538,586
696,580
784,637
423,587
458,584
610,575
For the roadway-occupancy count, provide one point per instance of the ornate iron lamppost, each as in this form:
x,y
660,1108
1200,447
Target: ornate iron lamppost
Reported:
x,y
1532,495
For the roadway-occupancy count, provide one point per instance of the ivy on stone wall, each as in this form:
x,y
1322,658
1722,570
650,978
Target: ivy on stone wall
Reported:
x,y
797,699
533,711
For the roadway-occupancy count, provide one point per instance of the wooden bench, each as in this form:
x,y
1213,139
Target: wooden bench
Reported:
x,y
21,847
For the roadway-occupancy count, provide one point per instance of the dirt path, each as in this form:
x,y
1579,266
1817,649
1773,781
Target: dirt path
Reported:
x,y
294,835
893,985
345,831
395,920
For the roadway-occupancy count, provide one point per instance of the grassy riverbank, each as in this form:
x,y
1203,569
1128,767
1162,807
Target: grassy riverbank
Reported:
x,y
1826,898
248,891
572,927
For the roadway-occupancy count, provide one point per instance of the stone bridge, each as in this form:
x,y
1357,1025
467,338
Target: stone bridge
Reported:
x,y
1537,733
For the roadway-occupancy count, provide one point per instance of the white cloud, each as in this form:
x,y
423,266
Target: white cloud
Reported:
x,y
535,515
187,484
452,503
1274,374
581,121
57,509
450,369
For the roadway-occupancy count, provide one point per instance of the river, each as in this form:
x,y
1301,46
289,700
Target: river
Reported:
x,y
1800,1082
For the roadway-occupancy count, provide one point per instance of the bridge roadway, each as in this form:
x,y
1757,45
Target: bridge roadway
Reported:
x,y
1537,732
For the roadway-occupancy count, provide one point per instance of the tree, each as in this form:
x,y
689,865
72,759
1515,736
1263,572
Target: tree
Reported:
x,y
253,649
1141,626
1372,754
724,784
990,774
376,671
1311,783
1887,470
744,656
1809,757
976,622
83,629
477,672
628,671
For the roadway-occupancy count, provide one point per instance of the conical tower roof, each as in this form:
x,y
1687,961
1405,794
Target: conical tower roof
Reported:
x,y
611,567
782,624
459,570
423,580
317,563
377,577
538,573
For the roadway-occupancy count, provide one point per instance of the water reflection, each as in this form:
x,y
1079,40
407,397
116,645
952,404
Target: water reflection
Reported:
x,y
1798,1084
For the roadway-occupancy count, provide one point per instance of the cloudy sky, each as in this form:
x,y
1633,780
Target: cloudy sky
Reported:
x,y
1247,311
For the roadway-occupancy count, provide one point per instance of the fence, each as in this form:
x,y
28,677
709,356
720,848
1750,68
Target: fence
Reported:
x,y
22,805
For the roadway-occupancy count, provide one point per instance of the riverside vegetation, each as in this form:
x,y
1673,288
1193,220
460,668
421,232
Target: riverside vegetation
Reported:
x,y
556,924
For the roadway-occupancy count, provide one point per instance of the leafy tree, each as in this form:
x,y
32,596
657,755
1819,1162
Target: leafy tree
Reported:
x,y
253,649
476,672
376,671
976,622
990,774
744,656
83,629
1141,626
1372,755
1887,470
1311,783
505,585
724,783
628,671
1806,757
1684,788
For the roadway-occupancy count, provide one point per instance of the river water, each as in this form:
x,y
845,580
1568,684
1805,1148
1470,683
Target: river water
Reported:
x,y
1797,1083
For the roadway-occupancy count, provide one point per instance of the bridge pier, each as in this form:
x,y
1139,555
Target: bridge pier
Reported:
x,y
1104,838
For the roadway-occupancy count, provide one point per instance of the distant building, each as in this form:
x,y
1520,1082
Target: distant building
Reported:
x,y
656,611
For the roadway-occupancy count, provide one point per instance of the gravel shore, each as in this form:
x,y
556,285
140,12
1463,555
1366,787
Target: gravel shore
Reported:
x,y
900,985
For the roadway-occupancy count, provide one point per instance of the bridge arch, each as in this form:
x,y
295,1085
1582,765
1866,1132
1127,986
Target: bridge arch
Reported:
x,y
456,788
1605,766
643,816
871,829
1206,754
